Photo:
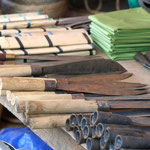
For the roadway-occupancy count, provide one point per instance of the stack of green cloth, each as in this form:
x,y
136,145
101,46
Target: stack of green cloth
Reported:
x,y
121,34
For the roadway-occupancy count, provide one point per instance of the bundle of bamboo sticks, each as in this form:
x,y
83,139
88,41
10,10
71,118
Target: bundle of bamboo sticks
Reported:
x,y
109,131
33,33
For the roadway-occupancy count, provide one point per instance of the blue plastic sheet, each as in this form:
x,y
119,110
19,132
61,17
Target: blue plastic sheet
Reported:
x,y
23,138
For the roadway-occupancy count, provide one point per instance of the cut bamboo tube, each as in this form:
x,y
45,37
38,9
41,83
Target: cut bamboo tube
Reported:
x,y
33,30
28,84
28,24
58,107
50,50
45,41
53,121
19,15
20,102
26,34
23,18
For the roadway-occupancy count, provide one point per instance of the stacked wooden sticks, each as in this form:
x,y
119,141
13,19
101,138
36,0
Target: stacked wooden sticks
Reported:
x,y
32,33
110,131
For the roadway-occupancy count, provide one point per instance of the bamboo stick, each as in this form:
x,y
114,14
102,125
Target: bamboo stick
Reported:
x,y
28,24
48,122
23,18
45,41
19,15
54,107
33,30
26,34
50,50
28,84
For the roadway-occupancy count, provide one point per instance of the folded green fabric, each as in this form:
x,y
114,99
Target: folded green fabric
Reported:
x,y
121,34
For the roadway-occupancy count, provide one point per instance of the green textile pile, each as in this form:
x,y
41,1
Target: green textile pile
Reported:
x,y
121,34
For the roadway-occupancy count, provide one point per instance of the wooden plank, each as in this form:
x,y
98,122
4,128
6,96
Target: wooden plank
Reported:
x,y
58,139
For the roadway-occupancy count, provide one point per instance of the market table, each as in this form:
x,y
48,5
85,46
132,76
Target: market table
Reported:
x,y
59,139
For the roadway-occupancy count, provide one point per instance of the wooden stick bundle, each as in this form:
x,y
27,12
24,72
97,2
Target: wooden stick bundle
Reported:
x,y
23,18
27,24
50,50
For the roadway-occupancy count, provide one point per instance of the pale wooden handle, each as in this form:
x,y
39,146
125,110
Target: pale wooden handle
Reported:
x,y
58,107
18,71
28,84
10,95
48,122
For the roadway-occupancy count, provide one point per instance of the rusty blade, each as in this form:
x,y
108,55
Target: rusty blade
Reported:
x,y
121,98
148,56
56,58
109,84
139,57
129,104
87,88
103,83
92,77
90,66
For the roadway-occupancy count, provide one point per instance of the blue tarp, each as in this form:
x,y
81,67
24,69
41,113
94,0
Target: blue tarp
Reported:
x,y
23,138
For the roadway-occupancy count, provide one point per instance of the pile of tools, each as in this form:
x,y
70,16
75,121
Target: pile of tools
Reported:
x,y
48,91
111,131
33,33
44,90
